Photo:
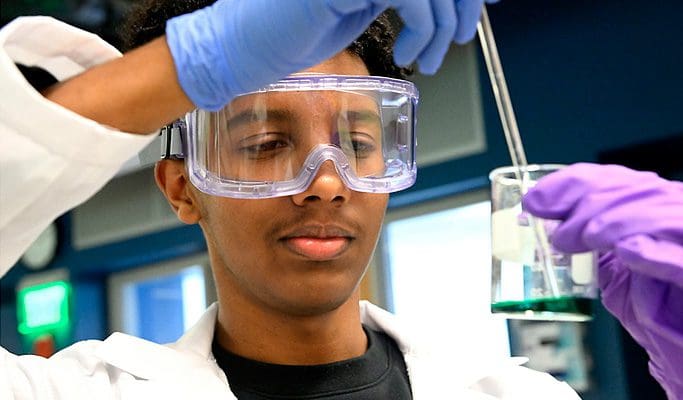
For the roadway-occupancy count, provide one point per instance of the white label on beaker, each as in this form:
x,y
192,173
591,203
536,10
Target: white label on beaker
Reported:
x,y
582,268
511,241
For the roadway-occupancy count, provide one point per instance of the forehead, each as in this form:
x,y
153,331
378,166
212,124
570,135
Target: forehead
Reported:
x,y
313,103
343,63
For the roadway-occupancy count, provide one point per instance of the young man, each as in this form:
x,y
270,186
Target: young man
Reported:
x,y
288,323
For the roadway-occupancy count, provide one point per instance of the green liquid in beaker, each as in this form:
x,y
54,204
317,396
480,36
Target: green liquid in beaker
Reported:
x,y
548,309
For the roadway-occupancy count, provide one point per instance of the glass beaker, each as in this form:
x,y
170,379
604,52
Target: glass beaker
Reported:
x,y
522,285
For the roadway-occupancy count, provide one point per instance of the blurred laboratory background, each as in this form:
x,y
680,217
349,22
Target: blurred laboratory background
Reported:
x,y
590,81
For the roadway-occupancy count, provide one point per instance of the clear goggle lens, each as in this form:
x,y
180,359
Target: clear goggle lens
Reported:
x,y
272,142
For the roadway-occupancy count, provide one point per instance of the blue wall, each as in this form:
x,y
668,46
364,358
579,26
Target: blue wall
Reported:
x,y
585,77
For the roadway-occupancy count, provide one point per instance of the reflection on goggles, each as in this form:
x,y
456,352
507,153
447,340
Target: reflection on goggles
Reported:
x,y
259,145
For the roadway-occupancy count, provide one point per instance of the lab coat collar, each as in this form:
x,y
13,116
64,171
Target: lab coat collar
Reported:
x,y
182,370
432,373
430,376
153,361
199,338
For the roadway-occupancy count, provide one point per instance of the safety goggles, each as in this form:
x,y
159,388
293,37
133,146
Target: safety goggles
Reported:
x,y
273,141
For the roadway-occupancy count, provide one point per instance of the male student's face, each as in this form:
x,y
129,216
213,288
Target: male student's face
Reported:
x,y
302,254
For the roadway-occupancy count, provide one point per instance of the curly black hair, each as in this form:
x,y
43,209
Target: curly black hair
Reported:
x,y
147,21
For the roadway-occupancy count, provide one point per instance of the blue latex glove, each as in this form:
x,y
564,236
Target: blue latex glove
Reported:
x,y
236,46
635,219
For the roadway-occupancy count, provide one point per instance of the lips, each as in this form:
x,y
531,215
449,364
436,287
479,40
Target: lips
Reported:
x,y
318,242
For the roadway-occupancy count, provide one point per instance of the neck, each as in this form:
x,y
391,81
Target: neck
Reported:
x,y
271,336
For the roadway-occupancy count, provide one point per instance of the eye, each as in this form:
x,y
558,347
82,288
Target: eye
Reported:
x,y
360,145
363,146
264,146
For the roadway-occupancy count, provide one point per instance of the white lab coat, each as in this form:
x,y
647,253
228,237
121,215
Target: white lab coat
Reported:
x,y
52,159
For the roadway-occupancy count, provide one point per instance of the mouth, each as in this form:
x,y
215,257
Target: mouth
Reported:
x,y
318,242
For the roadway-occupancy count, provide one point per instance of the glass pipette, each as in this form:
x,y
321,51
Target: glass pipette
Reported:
x,y
513,140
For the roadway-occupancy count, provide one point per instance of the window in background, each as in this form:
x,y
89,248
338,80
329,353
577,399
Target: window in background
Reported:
x,y
437,263
159,303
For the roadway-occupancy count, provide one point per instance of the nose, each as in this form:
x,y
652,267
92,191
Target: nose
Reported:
x,y
326,187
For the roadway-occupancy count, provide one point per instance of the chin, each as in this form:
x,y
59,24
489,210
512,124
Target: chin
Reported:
x,y
319,290
314,304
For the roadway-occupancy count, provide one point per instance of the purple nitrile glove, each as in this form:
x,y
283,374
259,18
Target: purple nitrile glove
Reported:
x,y
635,219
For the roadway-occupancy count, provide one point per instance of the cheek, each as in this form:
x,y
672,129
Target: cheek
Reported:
x,y
374,210
235,226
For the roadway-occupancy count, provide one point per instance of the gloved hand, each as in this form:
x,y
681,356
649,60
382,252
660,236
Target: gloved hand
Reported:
x,y
236,46
635,219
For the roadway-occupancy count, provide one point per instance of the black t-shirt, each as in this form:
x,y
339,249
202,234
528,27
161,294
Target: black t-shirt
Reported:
x,y
380,373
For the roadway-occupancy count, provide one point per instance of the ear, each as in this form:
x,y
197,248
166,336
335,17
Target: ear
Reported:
x,y
172,181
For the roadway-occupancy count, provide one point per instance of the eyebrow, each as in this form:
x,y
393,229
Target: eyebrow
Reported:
x,y
247,116
365,116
